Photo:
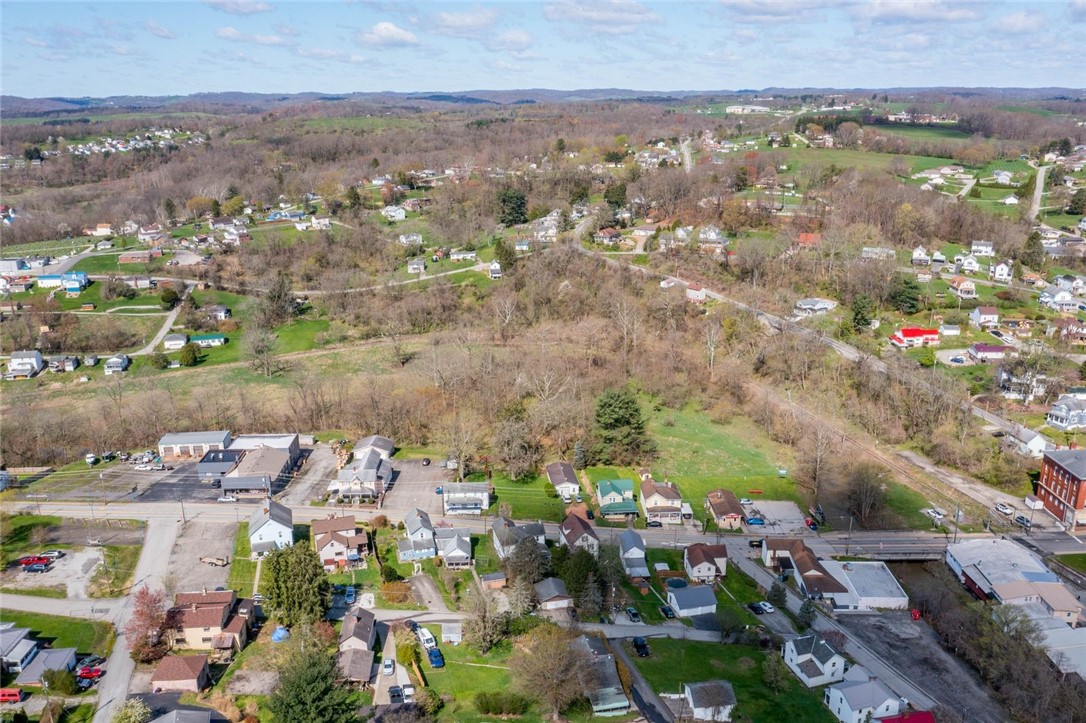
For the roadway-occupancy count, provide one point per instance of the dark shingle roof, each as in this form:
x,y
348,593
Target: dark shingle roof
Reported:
x,y
1072,460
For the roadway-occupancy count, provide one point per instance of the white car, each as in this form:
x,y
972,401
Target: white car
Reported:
x,y
1004,508
143,468
388,667
227,498
746,501
766,607
426,638
933,514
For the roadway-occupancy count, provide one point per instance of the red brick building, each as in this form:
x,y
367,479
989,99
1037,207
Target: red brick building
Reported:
x,y
1062,486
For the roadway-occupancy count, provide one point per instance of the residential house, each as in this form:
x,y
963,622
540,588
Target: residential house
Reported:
x,y
394,213
1069,282
984,316
1062,486
174,342
791,556
216,312
463,255
695,294
920,256
985,353
1058,299
338,541
691,600
938,257
506,534
576,534
17,648
910,337
1010,200
44,660
1067,413
103,245
1070,330
271,527
453,546
661,501
117,364
632,553
137,257
808,239
616,498
710,235
210,620
465,498
705,563
601,684
552,594
181,673
225,222
963,288
564,479
24,364
1034,279
419,543
192,444
359,630
1002,272
102,229
1021,383
206,341
877,253
967,264
74,281
710,700
147,234
494,270
725,509
923,277
416,266
607,236
355,665
813,660
63,363
321,223
982,249
410,239
368,475
1028,443
861,697
813,306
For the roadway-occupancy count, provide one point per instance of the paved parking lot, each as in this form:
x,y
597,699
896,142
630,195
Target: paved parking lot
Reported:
x,y
413,486
780,517
312,480
200,539
180,483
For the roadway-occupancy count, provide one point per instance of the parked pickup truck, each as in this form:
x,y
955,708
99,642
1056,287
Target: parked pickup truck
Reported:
x,y
216,561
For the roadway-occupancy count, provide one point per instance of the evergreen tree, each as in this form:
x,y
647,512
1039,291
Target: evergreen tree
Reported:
x,y
352,197
806,614
190,355
1033,252
527,561
580,459
590,601
297,588
615,195
512,207
905,294
621,428
505,255
1077,206
862,312
170,208
308,691
777,595
522,597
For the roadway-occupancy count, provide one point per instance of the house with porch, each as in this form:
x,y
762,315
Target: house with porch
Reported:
x,y
453,546
575,533
963,288
616,498
465,498
506,534
208,620
661,501
601,684
705,563
338,541
419,541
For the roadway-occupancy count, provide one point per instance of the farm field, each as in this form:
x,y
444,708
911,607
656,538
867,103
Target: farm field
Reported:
x,y
924,132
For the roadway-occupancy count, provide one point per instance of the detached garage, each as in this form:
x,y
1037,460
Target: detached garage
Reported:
x,y
192,444
182,672
692,600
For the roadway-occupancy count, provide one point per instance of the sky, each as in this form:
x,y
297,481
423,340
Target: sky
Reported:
x,y
173,48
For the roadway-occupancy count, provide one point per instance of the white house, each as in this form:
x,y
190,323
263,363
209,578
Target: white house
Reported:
x,y
920,256
813,306
495,270
271,527
117,364
575,533
411,239
983,316
465,498
419,543
173,342
982,248
506,534
861,697
963,288
416,266
968,264
632,553
1058,299
394,213
705,563
813,660
1003,271
712,700
1010,200
564,479
25,364
552,594
692,600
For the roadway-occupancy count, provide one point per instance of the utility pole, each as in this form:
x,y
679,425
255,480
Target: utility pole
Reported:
x,y
182,501
848,540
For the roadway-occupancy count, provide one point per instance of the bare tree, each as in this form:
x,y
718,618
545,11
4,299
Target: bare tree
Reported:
x,y
712,341
505,310
551,669
627,318
260,344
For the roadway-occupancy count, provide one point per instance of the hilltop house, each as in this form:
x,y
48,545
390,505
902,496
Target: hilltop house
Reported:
x,y
813,307
575,533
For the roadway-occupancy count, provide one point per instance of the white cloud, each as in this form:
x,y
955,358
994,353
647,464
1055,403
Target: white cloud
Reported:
x,y
464,25
158,31
894,12
36,42
240,7
1077,11
613,17
388,35
329,54
288,30
763,11
1020,22
124,50
513,41
236,36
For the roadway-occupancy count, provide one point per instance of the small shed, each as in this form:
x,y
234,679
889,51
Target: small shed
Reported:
x,y
493,580
452,633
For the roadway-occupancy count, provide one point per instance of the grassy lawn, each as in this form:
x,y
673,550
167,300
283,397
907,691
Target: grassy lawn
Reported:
x,y
906,504
299,335
53,591
1075,562
114,576
56,247
700,455
17,530
106,263
674,662
1061,220
62,632
924,132
242,569
528,498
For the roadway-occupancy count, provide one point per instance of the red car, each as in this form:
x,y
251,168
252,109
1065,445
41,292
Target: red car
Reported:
x,y
35,560
90,673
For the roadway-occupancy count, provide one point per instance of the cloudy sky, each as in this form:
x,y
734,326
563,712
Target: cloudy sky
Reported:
x,y
163,48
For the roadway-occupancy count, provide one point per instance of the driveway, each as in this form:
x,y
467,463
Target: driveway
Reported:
x,y
426,593
413,486
312,482
644,697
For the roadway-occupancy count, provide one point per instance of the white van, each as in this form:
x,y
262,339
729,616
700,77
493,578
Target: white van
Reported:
x,y
426,638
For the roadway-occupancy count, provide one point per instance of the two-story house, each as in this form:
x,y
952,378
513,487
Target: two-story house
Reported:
x,y
963,288
705,563
861,697
25,364
210,620
1067,413
419,542
661,502
616,498
506,534
982,249
271,527
564,479
1002,272
338,541
813,660
984,316
631,550
575,533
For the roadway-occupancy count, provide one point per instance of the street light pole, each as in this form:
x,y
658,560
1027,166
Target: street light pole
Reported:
x,y
848,541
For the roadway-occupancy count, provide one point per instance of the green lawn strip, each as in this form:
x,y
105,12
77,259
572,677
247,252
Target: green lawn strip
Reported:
x,y
482,551
242,568
53,591
1075,562
465,674
16,531
64,632
82,713
528,498
114,576
674,662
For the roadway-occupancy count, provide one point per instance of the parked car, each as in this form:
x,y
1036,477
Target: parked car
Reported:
x,y
258,598
1023,522
756,608
426,638
437,660
755,521
92,661
590,514
667,612
227,498
36,568
633,615
746,501
413,626
996,333
53,554
35,560
579,498
439,490
349,595
957,360
89,673
767,608
158,467
1004,508
92,459
755,543
654,523
388,667
811,524
395,694
11,695
85,683
143,468
641,647
408,693
425,461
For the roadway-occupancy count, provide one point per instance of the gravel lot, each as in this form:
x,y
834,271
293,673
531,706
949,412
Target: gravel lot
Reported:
x,y
201,539
915,651
413,486
74,571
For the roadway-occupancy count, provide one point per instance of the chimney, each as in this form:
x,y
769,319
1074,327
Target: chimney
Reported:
x,y
204,589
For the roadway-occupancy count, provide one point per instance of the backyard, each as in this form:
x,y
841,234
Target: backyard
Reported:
x,y
64,632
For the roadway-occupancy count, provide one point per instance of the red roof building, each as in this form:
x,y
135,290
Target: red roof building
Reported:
x,y
910,716
910,337
809,239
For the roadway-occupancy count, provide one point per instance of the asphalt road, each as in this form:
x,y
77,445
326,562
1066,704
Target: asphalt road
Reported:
x,y
646,700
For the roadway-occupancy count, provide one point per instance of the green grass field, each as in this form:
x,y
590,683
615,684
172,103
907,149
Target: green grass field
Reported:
x,y
57,247
1061,220
360,123
1075,562
17,530
114,577
105,264
845,158
924,132
64,632
528,498
242,569
674,662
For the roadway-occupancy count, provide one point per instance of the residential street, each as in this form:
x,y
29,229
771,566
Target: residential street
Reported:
x,y
646,700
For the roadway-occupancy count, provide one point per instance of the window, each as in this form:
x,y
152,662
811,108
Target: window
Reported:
x,y
205,640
